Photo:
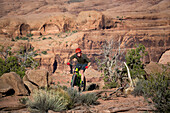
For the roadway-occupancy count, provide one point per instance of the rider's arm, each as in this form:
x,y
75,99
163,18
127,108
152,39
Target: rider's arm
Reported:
x,y
88,60
72,57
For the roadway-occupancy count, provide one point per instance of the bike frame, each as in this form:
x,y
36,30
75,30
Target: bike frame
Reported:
x,y
78,81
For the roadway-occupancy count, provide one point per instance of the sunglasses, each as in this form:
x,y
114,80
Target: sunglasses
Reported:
x,y
78,53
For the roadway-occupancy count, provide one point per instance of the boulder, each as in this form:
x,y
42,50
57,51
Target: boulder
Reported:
x,y
38,77
154,68
13,80
165,58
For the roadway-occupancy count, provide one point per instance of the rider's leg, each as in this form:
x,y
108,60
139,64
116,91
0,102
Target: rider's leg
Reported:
x,y
82,74
82,71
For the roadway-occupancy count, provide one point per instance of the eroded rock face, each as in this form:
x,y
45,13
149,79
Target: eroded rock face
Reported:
x,y
13,80
21,45
95,22
38,77
86,20
57,24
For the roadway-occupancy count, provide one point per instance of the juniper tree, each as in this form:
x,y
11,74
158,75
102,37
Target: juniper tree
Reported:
x,y
133,60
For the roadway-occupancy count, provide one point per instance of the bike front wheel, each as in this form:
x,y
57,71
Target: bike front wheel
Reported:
x,y
84,85
73,82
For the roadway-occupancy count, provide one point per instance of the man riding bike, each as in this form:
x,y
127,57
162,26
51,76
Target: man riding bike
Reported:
x,y
83,62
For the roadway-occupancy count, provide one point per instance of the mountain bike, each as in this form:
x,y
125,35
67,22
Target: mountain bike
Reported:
x,y
76,79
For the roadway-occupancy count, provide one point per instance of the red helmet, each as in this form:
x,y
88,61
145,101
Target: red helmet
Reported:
x,y
78,50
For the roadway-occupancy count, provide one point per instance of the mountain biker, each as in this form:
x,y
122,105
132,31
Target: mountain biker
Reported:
x,y
83,62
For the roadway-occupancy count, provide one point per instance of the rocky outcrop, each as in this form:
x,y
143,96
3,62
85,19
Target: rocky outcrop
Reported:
x,y
47,62
93,20
12,82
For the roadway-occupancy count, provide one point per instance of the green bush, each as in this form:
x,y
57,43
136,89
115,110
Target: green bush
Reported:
x,y
75,31
11,65
157,89
24,38
17,38
18,63
109,84
44,52
72,1
12,40
29,35
44,38
49,38
44,100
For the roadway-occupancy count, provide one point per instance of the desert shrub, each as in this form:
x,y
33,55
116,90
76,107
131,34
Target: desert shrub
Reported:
x,y
89,98
110,63
138,90
44,100
110,85
76,98
157,89
23,100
